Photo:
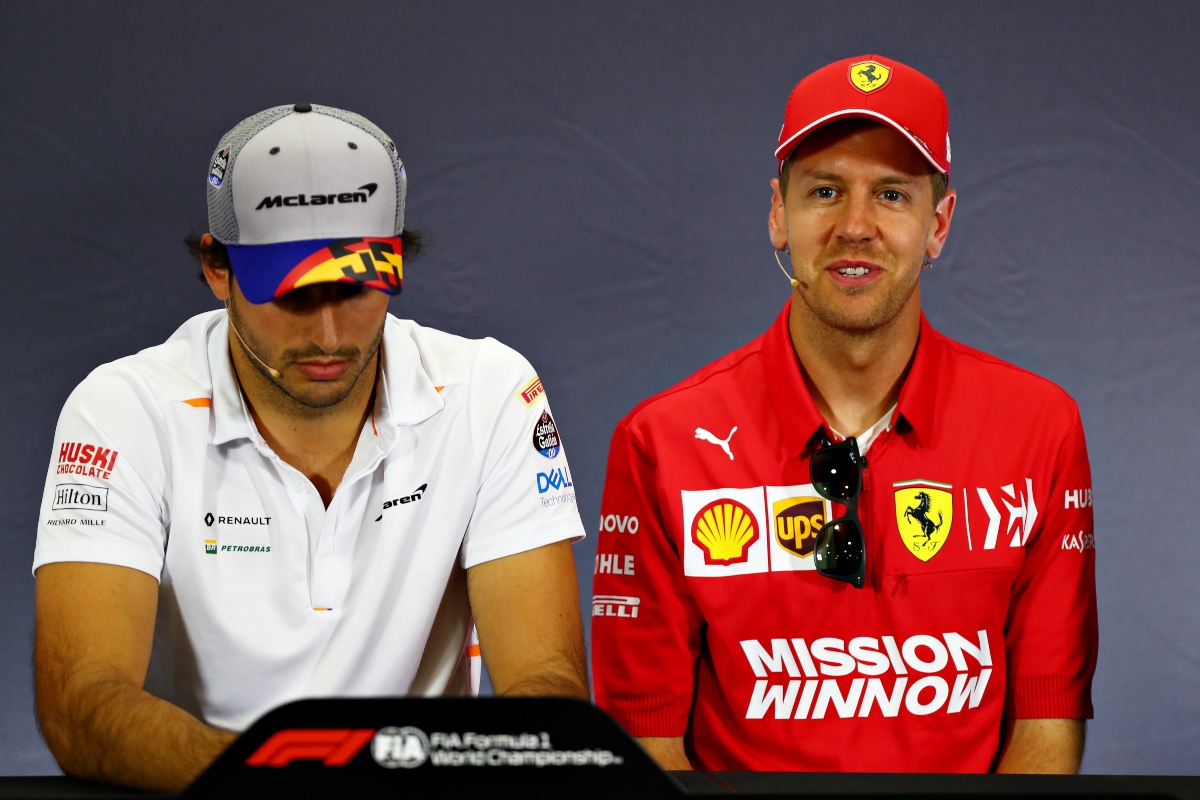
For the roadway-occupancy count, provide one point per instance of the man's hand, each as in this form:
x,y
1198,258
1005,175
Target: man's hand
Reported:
x,y
667,752
93,634
526,609
1044,746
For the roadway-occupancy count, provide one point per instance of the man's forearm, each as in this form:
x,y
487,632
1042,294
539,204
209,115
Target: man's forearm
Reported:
x,y
564,679
1044,746
104,728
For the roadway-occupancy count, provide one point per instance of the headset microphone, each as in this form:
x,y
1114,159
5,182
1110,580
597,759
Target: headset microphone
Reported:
x,y
274,372
790,278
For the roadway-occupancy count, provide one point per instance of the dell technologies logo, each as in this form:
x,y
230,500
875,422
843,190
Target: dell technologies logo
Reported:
x,y
358,196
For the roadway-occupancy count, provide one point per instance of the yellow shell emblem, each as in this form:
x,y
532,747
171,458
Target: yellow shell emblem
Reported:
x,y
724,530
869,76
924,514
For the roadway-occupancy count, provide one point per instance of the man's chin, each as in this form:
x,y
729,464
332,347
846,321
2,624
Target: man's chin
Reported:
x,y
319,394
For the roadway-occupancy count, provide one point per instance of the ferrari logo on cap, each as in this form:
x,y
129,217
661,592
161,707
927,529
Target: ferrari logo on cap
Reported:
x,y
924,513
869,76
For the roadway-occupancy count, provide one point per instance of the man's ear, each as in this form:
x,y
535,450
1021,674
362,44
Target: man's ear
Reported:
x,y
941,224
777,218
218,277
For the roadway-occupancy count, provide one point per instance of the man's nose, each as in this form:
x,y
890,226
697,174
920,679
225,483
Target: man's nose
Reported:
x,y
326,332
857,221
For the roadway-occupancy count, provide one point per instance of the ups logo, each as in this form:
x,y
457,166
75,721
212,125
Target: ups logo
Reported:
x,y
797,520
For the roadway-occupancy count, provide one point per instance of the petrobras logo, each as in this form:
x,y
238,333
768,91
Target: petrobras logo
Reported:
x,y
86,460
619,523
796,679
615,605
79,496
375,262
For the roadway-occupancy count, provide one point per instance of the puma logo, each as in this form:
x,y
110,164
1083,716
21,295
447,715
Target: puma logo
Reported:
x,y
721,443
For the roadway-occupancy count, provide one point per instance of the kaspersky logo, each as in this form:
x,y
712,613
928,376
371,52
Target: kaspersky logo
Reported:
x,y
360,195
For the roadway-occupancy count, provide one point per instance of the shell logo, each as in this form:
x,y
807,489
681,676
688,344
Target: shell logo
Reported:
x,y
724,530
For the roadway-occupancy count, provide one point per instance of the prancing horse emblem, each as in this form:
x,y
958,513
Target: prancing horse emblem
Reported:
x,y
869,76
920,513
924,515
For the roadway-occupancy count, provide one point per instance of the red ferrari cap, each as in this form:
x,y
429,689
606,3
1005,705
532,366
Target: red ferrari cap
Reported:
x,y
872,87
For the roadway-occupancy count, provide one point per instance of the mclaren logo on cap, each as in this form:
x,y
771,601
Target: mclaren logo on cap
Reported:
x,y
869,76
369,261
359,195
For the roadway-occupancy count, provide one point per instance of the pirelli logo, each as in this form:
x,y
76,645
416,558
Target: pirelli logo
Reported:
x,y
531,391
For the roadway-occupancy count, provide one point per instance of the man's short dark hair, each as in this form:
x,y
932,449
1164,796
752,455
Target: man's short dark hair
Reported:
x,y
216,255
937,179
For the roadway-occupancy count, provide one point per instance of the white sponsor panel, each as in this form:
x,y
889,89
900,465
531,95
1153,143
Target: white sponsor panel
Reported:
x,y
736,545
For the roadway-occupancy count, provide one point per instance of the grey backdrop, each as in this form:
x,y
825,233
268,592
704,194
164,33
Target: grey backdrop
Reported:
x,y
595,180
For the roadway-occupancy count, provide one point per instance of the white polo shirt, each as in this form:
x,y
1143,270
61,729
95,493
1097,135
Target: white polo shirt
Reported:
x,y
265,595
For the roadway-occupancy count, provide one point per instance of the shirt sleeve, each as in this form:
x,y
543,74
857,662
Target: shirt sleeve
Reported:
x,y
103,500
526,496
1051,633
646,630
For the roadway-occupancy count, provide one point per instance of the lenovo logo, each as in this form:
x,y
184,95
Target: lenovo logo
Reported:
x,y
358,196
332,746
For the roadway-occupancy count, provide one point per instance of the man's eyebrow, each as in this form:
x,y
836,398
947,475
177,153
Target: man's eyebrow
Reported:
x,y
887,180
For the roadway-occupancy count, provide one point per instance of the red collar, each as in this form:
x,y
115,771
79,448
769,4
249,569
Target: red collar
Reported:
x,y
799,419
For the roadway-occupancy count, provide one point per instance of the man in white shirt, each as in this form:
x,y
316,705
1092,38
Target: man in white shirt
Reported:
x,y
298,495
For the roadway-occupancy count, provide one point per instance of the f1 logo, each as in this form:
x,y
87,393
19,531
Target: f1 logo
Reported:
x,y
334,746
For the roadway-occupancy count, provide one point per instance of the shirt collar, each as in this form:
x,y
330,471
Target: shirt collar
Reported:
x,y
404,395
799,420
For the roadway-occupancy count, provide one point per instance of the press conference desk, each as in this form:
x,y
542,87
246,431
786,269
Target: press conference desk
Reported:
x,y
769,784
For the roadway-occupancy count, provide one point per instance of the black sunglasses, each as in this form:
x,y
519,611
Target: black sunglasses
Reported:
x,y
836,472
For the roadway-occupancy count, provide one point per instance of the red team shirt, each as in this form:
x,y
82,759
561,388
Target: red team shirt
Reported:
x,y
710,621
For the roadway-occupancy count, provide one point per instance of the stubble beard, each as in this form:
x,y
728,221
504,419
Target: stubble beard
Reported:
x,y
301,404
831,310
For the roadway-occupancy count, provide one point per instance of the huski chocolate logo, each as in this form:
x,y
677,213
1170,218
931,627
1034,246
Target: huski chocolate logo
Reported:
x,y
545,436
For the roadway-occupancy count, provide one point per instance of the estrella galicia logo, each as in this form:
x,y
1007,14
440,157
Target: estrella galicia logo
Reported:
x,y
545,436
220,163
555,480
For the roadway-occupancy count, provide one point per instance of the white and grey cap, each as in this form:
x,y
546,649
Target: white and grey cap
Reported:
x,y
304,194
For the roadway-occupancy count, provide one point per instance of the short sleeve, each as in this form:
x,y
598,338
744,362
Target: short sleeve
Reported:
x,y
1052,633
103,499
646,630
526,496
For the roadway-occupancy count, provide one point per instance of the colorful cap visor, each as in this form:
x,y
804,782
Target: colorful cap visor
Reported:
x,y
267,271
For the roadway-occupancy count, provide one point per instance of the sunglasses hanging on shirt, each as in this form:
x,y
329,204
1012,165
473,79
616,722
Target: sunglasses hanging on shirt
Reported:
x,y
836,472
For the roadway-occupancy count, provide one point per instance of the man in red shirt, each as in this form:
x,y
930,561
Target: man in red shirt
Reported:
x,y
946,621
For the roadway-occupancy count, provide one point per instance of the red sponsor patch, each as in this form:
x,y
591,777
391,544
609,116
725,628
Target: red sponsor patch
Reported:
x,y
87,460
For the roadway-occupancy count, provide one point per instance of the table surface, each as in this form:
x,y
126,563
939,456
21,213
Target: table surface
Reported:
x,y
768,784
